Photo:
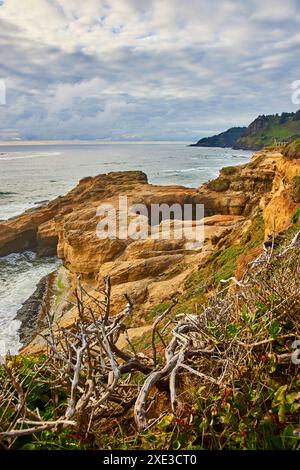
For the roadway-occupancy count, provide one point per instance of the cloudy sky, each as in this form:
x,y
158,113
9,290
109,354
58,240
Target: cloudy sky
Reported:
x,y
144,69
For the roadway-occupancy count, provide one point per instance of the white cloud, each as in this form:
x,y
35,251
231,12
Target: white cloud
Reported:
x,y
124,67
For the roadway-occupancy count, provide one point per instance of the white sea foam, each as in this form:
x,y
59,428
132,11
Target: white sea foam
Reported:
x,y
17,156
28,173
19,275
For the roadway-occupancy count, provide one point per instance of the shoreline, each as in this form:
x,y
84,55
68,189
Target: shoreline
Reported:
x,y
166,184
30,314
255,177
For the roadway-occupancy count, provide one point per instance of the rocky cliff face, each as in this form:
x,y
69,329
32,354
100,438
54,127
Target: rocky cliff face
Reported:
x,y
266,182
149,271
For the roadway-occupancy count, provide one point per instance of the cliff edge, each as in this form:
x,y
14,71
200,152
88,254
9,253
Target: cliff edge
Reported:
x,y
244,206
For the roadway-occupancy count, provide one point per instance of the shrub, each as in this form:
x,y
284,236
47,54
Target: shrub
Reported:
x,y
296,189
296,216
220,184
292,150
241,345
229,170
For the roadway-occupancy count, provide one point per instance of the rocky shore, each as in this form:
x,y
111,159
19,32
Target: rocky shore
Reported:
x,y
30,314
149,271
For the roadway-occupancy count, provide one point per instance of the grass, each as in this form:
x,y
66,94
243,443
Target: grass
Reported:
x,y
156,311
38,388
292,150
296,189
258,408
59,290
296,216
275,130
226,262
222,264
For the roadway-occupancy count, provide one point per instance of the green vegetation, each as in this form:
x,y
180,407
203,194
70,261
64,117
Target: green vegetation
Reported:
x,y
229,170
251,329
156,311
226,262
225,139
37,384
59,289
259,407
263,131
267,130
292,150
222,264
219,184
296,216
296,189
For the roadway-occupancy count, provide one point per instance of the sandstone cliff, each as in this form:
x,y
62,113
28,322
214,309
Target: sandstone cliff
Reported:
x,y
152,271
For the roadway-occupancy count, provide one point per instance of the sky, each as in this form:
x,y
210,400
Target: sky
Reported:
x,y
144,69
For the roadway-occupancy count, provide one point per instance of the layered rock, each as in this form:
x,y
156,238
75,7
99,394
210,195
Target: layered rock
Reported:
x,y
151,270
265,182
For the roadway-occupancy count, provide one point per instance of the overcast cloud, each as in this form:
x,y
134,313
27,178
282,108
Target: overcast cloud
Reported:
x,y
142,69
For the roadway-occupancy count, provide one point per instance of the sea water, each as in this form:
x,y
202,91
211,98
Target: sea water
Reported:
x,y
33,174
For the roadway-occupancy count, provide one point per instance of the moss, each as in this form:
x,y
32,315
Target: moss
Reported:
x,y
59,290
292,150
221,264
196,288
219,184
255,234
296,216
227,262
155,311
296,189
60,284
229,170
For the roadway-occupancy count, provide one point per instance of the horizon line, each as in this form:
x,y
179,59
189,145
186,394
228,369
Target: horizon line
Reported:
x,y
88,142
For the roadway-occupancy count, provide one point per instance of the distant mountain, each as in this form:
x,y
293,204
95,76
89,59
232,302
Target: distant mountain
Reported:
x,y
225,139
264,130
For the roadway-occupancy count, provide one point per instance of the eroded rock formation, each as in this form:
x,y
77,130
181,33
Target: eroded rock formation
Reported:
x,y
150,271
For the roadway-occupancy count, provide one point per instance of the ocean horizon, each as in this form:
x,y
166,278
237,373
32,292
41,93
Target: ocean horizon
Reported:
x,y
34,173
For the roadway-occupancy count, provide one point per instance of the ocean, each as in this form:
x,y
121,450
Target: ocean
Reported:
x,y
33,174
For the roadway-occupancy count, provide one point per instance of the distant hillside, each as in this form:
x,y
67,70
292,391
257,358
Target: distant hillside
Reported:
x,y
264,130
225,139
